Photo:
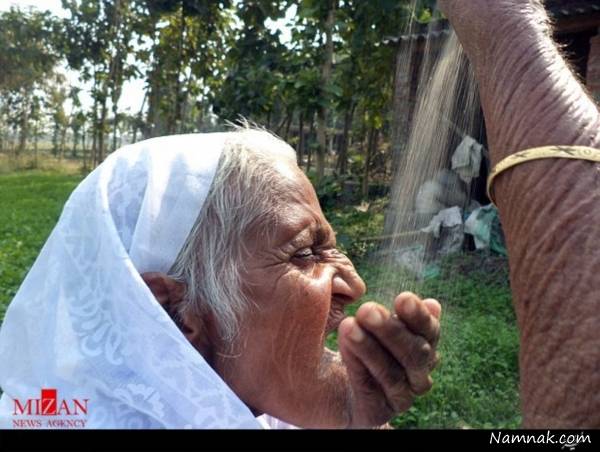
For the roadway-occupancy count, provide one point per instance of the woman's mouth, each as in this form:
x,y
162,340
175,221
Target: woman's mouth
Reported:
x,y
336,315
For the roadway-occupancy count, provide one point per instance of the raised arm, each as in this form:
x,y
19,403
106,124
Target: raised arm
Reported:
x,y
550,209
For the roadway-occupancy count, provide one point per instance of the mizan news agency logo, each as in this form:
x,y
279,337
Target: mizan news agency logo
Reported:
x,y
50,412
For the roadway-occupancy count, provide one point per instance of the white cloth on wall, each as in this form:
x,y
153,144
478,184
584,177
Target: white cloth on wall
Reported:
x,y
83,321
466,160
447,218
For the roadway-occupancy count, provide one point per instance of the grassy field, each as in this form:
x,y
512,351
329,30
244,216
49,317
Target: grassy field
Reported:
x,y
30,204
476,382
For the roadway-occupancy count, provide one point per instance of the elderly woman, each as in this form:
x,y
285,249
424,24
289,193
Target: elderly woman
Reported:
x,y
191,282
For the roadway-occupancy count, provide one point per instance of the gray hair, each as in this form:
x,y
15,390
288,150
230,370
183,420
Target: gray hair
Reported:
x,y
244,193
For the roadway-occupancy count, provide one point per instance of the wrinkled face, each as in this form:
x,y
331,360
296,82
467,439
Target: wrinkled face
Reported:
x,y
299,284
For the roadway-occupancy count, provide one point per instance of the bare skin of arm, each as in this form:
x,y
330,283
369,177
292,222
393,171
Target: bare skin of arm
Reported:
x,y
550,209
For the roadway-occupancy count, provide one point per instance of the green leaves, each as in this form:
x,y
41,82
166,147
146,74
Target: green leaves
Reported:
x,y
27,51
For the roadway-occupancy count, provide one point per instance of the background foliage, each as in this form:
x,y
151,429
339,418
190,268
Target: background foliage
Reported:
x,y
326,87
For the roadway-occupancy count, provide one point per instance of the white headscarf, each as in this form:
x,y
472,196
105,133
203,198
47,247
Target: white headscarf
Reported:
x,y
85,323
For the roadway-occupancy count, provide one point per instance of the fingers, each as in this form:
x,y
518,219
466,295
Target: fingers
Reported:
x,y
389,357
434,307
374,373
421,317
415,353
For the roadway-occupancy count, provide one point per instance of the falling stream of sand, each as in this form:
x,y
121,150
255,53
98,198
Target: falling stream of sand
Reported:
x,y
446,109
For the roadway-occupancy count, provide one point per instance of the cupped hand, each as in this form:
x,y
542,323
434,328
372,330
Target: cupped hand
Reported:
x,y
389,356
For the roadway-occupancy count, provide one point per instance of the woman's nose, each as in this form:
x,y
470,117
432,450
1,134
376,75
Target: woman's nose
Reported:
x,y
348,286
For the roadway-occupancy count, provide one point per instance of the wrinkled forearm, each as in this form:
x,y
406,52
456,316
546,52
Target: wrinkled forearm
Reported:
x,y
550,212
528,93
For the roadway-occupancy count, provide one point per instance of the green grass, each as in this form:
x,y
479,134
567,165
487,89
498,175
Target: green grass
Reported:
x,y
30,204
476,382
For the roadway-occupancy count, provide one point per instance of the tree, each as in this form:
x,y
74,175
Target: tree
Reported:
x,y
302,83
323,110
97,40
188,39
77,119
366,69
314,29
28,57
254,66
57,95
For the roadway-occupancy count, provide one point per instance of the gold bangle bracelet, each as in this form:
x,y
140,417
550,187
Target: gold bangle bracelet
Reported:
x,y
562,152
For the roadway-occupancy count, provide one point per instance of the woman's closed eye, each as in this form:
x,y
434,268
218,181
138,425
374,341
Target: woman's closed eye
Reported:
x,y
304,253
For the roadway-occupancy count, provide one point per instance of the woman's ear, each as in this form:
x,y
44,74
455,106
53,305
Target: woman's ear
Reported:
x,y
170,294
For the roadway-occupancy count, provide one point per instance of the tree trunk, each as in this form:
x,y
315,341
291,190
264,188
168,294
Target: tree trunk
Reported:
x,y
371,142
138,120
11,143
94,150
286,134
282,122
309,148
63,140
74,143
153,103
83,150
321,145
101,128
94,156
24,128
175,122
325,77
300,146
342,163
55,133
114,135
35,144
117,62
134,134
